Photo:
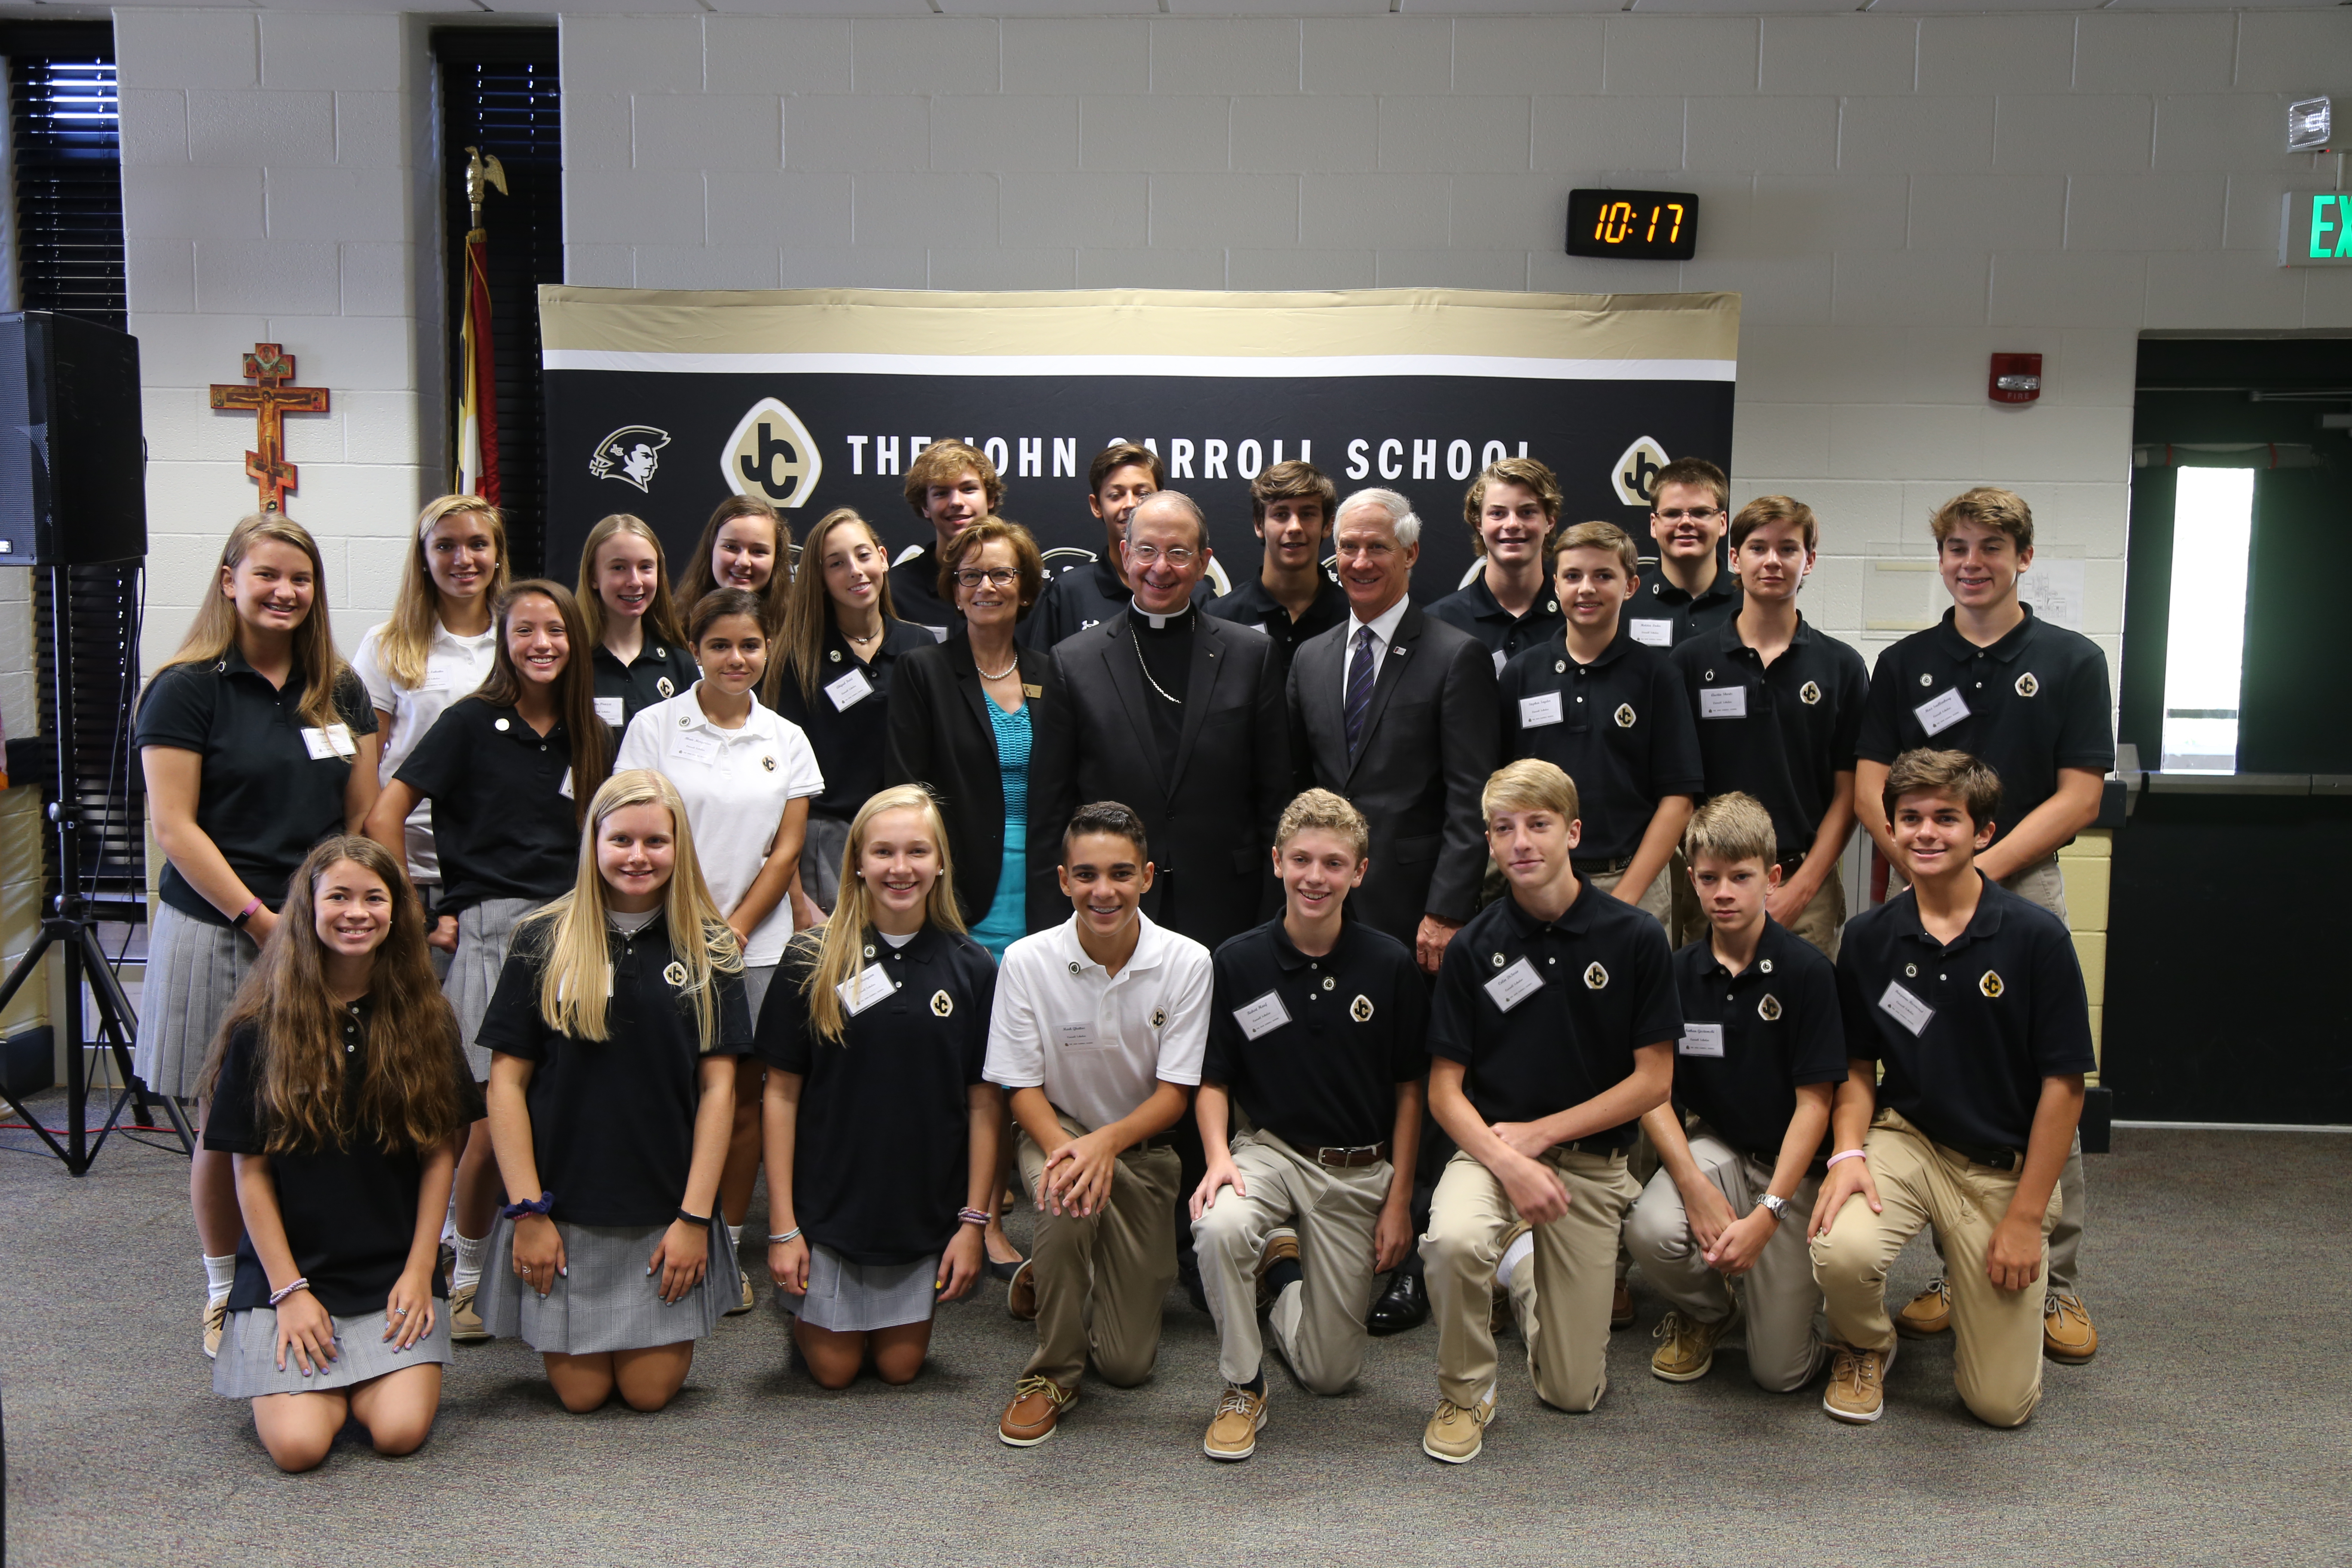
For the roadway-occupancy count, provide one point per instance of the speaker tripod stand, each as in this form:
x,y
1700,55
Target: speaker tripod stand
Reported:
x,y
71,927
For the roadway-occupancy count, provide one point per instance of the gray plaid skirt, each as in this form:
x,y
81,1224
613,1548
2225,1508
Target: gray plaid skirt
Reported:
x,y
858,1298
193,969
604,1299
247,1367
485,931
821,852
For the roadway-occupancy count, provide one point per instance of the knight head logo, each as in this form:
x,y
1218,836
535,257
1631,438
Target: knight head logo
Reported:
x,y
772,455
630,454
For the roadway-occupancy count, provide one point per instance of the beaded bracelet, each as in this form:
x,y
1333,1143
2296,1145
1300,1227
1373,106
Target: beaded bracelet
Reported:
x,y
537,1206
792,1234
973,1216
277,1296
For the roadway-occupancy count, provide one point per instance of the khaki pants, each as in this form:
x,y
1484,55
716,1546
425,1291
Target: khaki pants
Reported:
x,y
1656,900
2043,884
1560,1295
1318,1324
1784,1346
1997,1334
1100,1279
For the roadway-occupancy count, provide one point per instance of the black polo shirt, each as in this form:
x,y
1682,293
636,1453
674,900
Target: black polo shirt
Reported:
x,y
1660,610
503,820
1251,605
661,670
1783,732
849,741
1086,594
349,1211
879,1159
1622,731
1778,1028
1336,1034
1602,987
2037,701
915,594
1475,610
611,1120
2008,1010
262,799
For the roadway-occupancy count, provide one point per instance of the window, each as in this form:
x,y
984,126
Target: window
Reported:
x,y
498,93
2205,636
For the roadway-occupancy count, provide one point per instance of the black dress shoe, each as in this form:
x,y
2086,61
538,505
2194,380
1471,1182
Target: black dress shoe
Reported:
x,y
1403,1305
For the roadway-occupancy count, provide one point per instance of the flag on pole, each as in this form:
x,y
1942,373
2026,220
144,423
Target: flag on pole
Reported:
x,y
477,401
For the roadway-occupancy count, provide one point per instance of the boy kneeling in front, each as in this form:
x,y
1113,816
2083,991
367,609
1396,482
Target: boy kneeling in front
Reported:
x,y
1096,1032
1551,1034
1972,999
1317,1035
1761,1054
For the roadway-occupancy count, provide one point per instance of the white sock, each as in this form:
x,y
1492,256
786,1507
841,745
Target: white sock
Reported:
x,y
220,1274
469,1268
735,1236
1512,1257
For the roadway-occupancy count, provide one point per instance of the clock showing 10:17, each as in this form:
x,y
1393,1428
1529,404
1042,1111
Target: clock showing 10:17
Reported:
x,y
1637,225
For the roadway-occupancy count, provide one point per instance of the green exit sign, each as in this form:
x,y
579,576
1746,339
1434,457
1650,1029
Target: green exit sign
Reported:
x,y
2315,229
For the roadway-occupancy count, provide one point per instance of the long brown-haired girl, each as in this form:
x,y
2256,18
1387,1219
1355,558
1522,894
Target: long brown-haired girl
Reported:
x,y
256,742
746,545
635,647
612,1088
338,1091
508,771
882,1134
437,646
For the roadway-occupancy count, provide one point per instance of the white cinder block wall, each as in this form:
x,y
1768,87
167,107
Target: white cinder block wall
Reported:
x,y
1894,196
280,184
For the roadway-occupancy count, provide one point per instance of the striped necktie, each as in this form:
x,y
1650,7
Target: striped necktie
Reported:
x,y
1359,687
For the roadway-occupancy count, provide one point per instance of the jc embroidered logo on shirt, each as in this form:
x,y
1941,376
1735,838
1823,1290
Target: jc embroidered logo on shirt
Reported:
x,y
941,1004
1595,977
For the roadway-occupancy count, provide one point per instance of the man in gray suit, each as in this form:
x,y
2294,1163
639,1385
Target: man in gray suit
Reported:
x,y
1396,712
1179,716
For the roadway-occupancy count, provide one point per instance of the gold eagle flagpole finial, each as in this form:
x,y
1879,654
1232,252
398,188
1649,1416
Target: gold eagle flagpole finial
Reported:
x,y
482,175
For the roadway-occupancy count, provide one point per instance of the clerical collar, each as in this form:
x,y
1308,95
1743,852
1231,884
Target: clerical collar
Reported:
x,y
1161,623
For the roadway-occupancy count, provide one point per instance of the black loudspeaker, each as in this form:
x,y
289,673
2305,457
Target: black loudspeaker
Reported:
x,y
73,480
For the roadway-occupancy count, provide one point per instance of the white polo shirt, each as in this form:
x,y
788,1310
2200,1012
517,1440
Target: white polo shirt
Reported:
x,y
1097,1043
455,667
736,784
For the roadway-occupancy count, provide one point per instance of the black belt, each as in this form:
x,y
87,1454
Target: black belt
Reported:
x,y
1598,1144
1999,1157
1599,867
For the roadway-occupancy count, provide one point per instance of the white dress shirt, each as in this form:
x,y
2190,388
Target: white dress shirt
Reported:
x,y
1384,625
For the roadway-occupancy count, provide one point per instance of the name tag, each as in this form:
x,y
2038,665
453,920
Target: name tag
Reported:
x,y
1501,659
1907,1009
610,709
564,789
1514,986
938,634
1261,1016
437,678
1079,1037
1723,703
690,746
865,988
334,741
1938,714
1534,712
1656,634
1700,1040
849,691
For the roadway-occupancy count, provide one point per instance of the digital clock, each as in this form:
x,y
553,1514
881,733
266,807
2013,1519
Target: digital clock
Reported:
x,y
1641,226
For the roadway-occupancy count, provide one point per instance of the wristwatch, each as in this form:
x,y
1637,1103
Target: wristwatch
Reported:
x,y
1777,1207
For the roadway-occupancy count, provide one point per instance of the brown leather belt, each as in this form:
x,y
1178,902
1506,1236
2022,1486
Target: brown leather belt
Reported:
x,y
1349,1159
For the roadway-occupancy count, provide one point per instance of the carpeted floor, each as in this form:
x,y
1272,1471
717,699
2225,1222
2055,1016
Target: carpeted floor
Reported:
x,y
2213,1427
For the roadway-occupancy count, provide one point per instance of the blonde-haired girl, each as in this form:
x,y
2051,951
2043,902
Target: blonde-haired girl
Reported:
x,y
635,645
612,1090
437,646
256,742
879,1124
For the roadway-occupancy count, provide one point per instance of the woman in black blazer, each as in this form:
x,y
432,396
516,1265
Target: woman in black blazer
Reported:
x,y
966,721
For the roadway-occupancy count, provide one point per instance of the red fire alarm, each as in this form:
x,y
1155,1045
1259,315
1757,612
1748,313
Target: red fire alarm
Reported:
x,y
2015,378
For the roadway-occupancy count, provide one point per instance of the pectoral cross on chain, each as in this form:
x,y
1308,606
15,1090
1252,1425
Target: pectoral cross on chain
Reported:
x,y
269,367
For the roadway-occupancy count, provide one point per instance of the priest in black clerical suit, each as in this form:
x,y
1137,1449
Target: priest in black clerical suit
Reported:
x,y
1179,716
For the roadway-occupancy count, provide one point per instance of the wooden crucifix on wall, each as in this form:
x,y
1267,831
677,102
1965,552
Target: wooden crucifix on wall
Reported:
x,y
270,399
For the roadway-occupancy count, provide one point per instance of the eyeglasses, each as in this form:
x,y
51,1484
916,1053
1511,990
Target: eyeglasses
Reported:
x,y
994,577
1697,513
1145,554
